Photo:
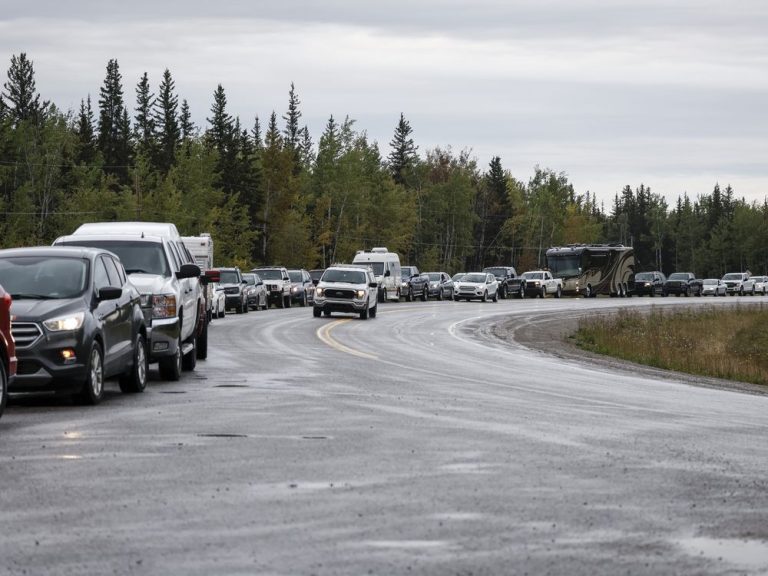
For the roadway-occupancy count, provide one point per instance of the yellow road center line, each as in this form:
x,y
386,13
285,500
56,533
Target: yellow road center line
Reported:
x,y
324,334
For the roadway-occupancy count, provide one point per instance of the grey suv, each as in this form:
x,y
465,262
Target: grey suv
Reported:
x,y
172,296
350,288
231,282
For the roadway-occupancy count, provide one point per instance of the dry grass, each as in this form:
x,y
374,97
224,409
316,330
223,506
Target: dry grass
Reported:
x,y
729,343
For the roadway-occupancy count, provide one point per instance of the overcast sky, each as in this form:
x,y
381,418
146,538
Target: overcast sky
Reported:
x,y
672,94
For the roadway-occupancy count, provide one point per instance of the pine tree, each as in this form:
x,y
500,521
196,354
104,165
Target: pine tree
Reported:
x,y
306,150
402,158
165,117
114,124
20,99
220,132
144,128
256,135
292,132
186,125
86,153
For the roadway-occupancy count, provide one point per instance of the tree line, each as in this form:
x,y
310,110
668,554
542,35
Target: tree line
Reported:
x,y
269,194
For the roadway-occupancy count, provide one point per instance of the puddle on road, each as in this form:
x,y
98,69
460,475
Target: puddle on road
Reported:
x,y
213,435
232,386
173,392
748,553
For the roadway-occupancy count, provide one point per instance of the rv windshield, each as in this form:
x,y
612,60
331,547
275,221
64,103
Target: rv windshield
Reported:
x,y
564,265
378,268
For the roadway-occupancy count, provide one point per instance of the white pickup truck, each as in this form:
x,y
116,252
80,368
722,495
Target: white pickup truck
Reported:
x,y
542,283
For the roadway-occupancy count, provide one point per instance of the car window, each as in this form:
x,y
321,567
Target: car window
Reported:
x,y
114,275
100,276
175,256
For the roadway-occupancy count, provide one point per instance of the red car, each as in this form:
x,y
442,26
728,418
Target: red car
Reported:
x,y
7,348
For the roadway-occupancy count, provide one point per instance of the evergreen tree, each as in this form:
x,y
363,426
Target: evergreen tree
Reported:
x,y
307,154
165,117
402,158
20,98
186,125
144,128
256,135
292,132
220,132
86,150
114,125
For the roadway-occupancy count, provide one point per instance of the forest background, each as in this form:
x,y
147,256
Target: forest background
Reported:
x,y
268,194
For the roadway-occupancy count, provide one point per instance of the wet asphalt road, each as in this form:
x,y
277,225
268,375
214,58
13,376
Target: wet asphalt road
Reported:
x,y
413,443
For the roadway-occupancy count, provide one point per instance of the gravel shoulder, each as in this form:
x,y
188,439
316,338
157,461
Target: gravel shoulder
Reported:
x,y
550,333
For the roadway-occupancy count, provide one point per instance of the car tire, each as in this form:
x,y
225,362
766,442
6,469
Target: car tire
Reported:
x,y
246,308
135,380
425,294
327,313
170,366
287,303
3,388
384,295
495,296
304,300
92,390
521,294
373,311
543,292
409,296
559,292
364,313
240,307
588,292
316,312
485,296
189,360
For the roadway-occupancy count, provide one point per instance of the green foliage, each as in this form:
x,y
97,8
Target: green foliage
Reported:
x,y
279,198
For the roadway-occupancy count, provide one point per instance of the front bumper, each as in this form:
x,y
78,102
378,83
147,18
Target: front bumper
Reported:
x,y
338,305
41,368
232,301
163,336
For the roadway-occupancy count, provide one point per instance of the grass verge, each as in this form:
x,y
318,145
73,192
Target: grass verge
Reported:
x,y
730,343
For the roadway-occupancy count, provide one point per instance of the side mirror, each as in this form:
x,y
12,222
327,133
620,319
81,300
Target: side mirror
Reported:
x,y
109,293
188,271
387,273
372,285
315,281
243,281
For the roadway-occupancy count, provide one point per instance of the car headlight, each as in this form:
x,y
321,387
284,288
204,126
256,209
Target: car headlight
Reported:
x,y
319,292
163,306
294,288
360,294
64,323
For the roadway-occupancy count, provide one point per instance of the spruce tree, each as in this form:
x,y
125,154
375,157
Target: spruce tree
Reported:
x,y
256,134
165,117
86,153
20,98
219,134
402,158
144,129
186,125
292,132
114,124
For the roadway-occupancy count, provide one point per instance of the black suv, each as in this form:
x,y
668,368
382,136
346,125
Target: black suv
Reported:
x,y
414,283
650,283
78,320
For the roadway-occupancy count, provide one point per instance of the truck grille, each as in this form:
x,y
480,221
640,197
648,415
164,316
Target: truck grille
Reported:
x,y
339,293
25,333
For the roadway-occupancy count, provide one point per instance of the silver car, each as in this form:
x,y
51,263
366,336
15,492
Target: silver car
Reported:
x,y
713,287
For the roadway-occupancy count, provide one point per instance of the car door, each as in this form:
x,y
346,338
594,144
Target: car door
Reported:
x,y
124,334
188,303
107,316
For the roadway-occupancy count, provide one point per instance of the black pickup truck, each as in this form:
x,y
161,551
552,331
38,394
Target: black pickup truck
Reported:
x,y
510,284
414,284
684,283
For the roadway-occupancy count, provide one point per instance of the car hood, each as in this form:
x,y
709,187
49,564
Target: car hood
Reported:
x,y
152,283
471,284
341,286
28,310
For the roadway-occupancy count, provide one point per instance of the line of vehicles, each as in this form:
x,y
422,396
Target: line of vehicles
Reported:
x,y
112,298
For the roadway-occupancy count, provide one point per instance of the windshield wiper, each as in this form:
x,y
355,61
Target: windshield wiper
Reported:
x,y
135,271
24,296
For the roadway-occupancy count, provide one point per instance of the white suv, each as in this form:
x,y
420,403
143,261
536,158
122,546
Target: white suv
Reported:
x,y
349,288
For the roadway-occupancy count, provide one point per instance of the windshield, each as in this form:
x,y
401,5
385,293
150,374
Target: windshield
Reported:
x,y
228,277
294,275
678,276
458,276
435,276
533,275
643,277
271,274
406,273
43,277
137,257
348,276
378,268
564,266
250,279
474,278
732,277
496,271
711,281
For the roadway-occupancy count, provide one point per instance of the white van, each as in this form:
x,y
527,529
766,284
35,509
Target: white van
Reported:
x,y
386,269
